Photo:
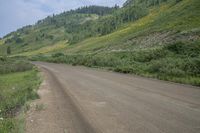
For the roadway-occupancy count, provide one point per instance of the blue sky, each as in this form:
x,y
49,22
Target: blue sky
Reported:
x,y
17,13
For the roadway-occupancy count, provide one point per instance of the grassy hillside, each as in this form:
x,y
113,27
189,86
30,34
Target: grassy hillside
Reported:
x,y
164,44
1,42
72,26
173,22
41,35
153,38
46,49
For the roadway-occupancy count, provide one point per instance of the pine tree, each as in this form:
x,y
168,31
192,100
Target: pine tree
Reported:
x,y
8,50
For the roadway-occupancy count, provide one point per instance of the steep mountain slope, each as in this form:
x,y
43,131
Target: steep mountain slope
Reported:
x,y
153,38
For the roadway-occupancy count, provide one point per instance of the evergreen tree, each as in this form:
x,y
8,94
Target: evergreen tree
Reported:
x,y
8,50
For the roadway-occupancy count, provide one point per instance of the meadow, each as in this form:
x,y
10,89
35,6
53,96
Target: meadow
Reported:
x,y
19,81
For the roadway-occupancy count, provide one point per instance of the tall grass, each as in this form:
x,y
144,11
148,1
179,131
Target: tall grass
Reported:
x,y
9,65
18,84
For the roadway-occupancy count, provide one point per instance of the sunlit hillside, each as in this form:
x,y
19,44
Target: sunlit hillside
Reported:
x,y
151,38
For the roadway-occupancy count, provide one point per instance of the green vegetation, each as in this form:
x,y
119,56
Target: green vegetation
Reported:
x,y
8,50
16,89
153,38
39,107
177,62
72,26
46,49
99,10
9,65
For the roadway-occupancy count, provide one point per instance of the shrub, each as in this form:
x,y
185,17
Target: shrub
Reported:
x,y
177,62
185,49
57,55
8,65
18,40
192,66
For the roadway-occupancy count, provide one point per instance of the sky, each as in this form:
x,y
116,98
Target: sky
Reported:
x,y
15,14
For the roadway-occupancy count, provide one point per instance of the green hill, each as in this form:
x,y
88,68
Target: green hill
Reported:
x,y
153,38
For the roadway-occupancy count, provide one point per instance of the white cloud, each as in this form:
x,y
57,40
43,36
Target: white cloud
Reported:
x,y
17,13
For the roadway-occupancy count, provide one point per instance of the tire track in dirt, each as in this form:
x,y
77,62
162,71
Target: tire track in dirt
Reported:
x,y
61,114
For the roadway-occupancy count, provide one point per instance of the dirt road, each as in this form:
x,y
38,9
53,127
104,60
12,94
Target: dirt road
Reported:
x,y
84,100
